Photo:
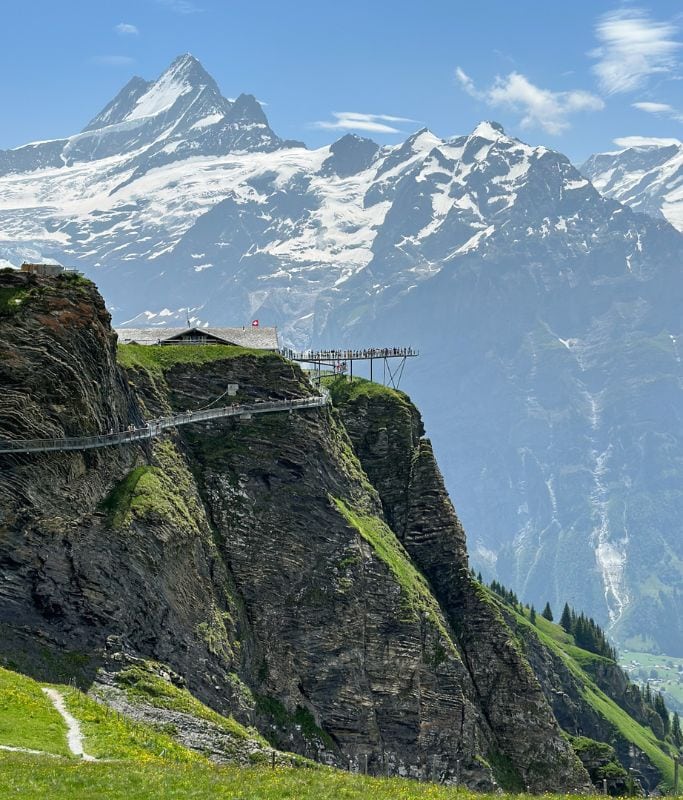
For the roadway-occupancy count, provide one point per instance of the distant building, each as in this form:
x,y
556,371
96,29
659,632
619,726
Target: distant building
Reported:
x,y
257,338
49,270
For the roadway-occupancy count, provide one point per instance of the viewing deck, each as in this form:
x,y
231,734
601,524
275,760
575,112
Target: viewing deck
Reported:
x,y
339,359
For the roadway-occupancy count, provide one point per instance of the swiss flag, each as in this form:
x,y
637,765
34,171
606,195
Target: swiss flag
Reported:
x,y
254,323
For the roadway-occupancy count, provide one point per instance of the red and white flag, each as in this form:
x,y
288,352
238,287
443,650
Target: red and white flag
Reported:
x,y
254,323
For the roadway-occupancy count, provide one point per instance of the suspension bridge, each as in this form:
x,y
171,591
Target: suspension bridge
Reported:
x,y
155,428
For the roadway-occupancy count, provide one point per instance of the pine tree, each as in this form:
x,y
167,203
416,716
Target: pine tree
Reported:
x,y
661,709
580,636
566,618
532,615
547,612
676,730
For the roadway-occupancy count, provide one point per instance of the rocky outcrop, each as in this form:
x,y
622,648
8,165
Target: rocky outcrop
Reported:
x,y
525,688
103,542
387,436
569,692
304,573
601,763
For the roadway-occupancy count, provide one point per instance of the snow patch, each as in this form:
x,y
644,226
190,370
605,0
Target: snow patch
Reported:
x,y
163,94
207,121
487,131
610,553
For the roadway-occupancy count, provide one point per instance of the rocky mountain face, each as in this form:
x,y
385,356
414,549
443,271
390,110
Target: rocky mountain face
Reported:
x,y
647,175
388,437
304,573
547,314
152,123
549,344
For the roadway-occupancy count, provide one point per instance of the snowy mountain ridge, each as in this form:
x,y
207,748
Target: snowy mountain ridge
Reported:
x,y
112,209
647,174
181,113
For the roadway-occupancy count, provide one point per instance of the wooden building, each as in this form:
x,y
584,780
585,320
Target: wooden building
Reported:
x,y
47,270
257,338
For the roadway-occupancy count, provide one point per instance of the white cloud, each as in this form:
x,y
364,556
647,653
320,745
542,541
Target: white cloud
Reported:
x,y
126,29
661,109
539,107
467,83
352,120
633,47
644,141
114,61
653,108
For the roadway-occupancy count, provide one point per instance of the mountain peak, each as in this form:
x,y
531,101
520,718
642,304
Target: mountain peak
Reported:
x,y
188,68
422,139
349,155
247,107
118,109
139,98
186,59
488,129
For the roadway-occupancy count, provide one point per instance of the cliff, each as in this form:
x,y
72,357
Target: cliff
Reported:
x,y
302,573
512,662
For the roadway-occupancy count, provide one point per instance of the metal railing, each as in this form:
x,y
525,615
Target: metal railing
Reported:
x,y
156,427
349,355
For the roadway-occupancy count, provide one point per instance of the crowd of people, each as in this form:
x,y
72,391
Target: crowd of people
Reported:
x,y
347,355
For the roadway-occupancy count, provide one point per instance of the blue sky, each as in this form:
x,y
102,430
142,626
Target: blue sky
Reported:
x,y
574,76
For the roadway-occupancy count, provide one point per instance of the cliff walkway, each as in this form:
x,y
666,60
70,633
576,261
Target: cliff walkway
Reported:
x,y
157,427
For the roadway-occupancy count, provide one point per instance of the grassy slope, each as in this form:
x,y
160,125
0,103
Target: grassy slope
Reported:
x,y
111,736
27,717
146,764
381,538
561,643
158,358
25,779
141,684
343,391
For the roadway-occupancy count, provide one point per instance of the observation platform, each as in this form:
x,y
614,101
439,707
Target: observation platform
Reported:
x,y
393,360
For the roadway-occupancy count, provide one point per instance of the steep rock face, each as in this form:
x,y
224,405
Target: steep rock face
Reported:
x,y
508,693
332,631
254,559
74,572
264,572
498,645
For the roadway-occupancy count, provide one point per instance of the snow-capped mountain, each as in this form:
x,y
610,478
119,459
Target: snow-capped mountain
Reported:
x,y
156,122
548,315
646,175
